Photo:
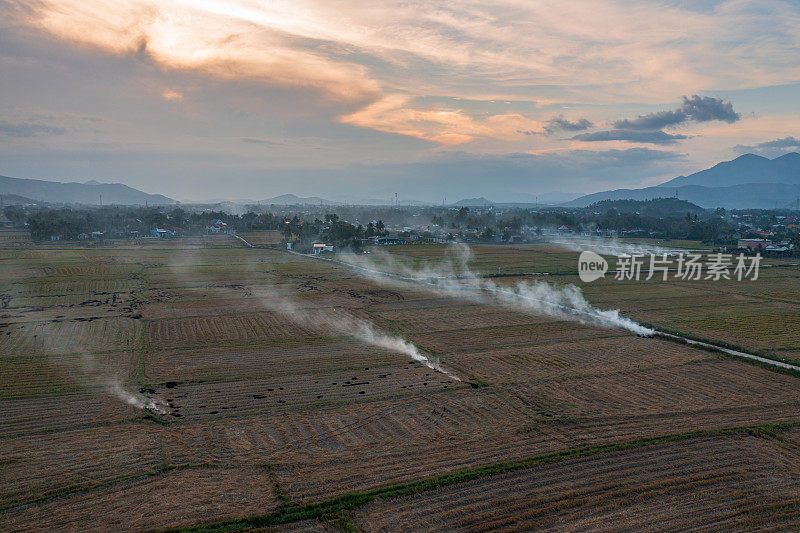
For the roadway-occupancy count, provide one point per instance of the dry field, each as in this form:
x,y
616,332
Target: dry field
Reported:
x,y
715,483
294,420
263,238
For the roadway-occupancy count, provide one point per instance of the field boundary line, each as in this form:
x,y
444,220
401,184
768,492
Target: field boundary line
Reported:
x,y
760,359
243,240
339,505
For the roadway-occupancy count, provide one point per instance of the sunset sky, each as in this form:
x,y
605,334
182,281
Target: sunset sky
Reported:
x,y
509,99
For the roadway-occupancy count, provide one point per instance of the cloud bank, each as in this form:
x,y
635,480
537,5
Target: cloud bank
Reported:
x,y
650,137
561,123
28,129
695,108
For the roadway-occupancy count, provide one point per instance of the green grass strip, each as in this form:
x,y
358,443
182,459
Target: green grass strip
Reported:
x,y
340,505
715,348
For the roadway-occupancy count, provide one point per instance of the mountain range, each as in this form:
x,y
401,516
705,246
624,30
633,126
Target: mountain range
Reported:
x,y
291,199
747,182
89,193
745,169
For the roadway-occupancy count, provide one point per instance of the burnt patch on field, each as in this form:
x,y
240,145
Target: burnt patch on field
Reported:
x,y
300,392
308,286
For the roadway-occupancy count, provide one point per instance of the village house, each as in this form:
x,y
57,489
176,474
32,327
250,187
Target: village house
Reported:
x,y
565,230
167,231
389,241
218,227
320,247
606,232
751,244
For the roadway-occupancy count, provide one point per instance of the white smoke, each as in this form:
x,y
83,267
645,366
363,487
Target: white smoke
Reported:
x,y
140,401
345,323
90,373
608,246
326,320
452,277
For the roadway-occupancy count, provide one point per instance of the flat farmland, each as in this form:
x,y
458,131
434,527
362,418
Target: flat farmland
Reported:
x,y
718,483
283,394
263,238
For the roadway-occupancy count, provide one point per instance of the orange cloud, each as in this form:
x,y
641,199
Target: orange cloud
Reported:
x,y
394,114
172,96
193,36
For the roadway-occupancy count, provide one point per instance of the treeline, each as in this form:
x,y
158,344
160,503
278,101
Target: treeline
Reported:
x,y
668,218
332,230
701,225
114,221
349,226
130,222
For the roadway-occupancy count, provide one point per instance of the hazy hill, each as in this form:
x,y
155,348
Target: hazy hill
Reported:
x,y
748,196
659,207
473,202
291,199
90,193
748,168
14,199
747,182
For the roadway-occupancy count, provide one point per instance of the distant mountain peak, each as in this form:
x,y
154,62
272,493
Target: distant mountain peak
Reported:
x,y
293,199
746,157
89,193
749,181
476,202
747,168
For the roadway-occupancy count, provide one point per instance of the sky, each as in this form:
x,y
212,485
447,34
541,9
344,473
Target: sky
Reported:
x,y
352,100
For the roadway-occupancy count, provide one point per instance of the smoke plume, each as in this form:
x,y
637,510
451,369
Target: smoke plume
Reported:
x,y
608,246
89,374
327,320
452,277
115,388
344,323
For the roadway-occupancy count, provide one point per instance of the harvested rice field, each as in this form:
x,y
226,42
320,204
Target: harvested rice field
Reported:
x,y
202,384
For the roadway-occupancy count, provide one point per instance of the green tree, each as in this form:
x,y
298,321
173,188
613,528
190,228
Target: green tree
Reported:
x,y
178,217
16,214
286,230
